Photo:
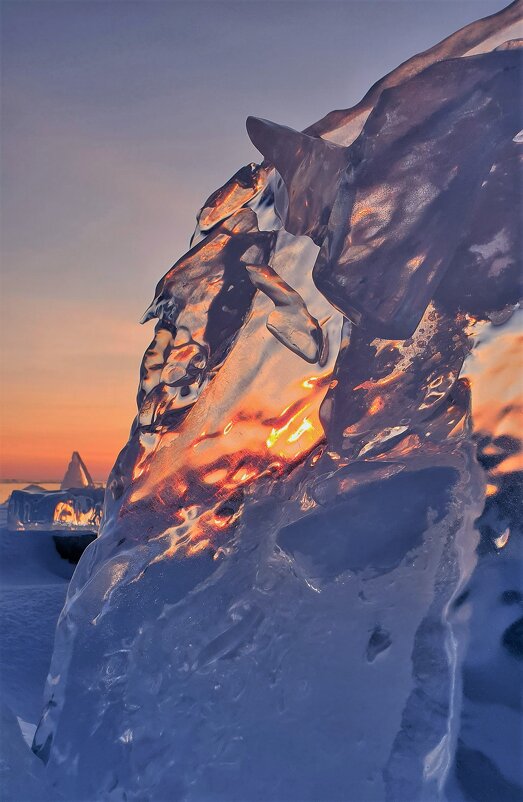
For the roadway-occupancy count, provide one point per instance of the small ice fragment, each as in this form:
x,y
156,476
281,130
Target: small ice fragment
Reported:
x,y
290,322
501,540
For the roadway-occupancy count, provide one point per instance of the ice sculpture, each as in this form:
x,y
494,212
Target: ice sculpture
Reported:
x,y
305,584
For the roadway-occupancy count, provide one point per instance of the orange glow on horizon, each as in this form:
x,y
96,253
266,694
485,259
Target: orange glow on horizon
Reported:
x,y
78,398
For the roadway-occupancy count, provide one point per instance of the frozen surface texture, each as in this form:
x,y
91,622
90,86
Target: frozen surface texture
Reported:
x,y
33,585
306,583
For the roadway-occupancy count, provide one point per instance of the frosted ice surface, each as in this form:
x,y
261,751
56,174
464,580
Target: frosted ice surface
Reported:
x,y
306,583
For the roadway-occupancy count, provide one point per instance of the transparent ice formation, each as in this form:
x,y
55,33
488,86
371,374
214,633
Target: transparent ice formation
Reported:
x,y
308,581
76,506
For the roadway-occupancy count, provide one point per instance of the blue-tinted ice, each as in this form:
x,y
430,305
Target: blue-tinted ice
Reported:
x,y
308,581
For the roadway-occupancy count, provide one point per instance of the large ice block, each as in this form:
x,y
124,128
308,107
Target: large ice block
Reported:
x,y
305,586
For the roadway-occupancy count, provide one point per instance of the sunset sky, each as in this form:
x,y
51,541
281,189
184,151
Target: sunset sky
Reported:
x,y
118,120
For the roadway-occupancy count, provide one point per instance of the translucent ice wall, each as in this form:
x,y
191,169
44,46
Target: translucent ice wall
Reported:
x,y
313,523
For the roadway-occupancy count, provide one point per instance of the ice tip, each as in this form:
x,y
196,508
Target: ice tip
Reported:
x,y
252,123
263,133
255,127
149,313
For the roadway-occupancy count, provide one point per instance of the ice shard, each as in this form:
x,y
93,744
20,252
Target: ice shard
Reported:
x,y
290,322
76,474
306,582
312,170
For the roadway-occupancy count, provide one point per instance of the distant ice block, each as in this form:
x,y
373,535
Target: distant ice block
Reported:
x,y
305,585
75,508
77,505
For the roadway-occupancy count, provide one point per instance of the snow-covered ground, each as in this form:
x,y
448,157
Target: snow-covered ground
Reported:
x,y
33,583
